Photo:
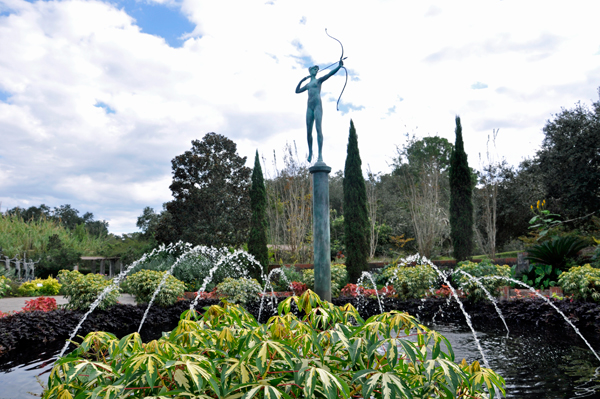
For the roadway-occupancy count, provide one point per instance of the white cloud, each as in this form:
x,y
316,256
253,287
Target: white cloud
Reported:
x,y
236,74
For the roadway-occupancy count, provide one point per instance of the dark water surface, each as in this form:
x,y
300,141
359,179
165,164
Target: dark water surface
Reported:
x,y
534,365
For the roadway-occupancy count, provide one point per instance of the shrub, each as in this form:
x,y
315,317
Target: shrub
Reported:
x,y
38,287
339,278
82,290
42,304
291,274
195,267
485,268
581,281
4,286
328,353
411,281
144,283
239,290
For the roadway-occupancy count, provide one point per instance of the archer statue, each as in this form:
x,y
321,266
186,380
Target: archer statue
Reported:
x,y
314,110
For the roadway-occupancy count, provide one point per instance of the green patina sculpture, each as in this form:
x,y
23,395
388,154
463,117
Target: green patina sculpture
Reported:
x,y
314,110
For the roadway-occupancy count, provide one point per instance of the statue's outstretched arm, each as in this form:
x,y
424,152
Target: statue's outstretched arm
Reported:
x,y
332,72
298,88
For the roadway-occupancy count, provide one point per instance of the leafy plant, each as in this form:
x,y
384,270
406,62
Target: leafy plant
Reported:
x,y
331,352
339,278
540,276
37,287
42,304
240,290
410,281
485,268
543,221
556,252
581,281
82,290
144,283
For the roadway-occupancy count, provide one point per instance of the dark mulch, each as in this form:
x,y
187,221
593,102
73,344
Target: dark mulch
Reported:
x,y
39,329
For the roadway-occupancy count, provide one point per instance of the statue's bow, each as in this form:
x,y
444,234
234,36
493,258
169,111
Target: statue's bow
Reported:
x,y
341,58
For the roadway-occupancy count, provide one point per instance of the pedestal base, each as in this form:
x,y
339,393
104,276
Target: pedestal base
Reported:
x,y
321,240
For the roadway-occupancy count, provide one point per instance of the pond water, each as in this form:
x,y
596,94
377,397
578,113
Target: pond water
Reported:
x,y
534,365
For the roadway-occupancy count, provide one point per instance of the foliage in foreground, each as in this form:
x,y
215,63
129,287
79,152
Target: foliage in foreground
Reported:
x,y
581,281
82,290
330,353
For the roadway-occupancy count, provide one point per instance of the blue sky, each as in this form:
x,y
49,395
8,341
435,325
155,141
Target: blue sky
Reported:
x,y
163,20
97,97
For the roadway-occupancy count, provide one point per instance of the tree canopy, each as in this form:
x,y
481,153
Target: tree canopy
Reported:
x,y
211,189
569,160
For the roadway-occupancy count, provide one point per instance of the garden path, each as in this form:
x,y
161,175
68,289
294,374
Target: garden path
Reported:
x,y
15,304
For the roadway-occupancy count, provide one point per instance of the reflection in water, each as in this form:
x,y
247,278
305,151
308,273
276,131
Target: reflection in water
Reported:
x,y
534,364
19,374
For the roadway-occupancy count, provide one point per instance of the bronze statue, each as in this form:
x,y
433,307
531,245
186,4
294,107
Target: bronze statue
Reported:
x,y
314,110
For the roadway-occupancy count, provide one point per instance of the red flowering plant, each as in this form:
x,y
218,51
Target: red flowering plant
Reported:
x,y
42,303
208,294
446,292
2,314
354,290
298,287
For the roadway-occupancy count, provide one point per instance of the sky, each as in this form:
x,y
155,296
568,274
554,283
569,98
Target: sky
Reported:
x,y
97,97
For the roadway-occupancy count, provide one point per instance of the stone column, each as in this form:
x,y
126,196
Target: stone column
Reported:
x,y
321,239
102,271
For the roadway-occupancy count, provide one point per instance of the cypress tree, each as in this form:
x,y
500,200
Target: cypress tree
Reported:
x,y
356,220
461,204
257,241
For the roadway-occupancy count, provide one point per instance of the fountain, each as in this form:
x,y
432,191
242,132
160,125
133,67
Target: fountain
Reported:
x,y
221,257
268,284
217,256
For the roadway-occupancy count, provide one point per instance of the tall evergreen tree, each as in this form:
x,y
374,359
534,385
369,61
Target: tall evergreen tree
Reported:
x,y
257,241
461,204
356,221
211,204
